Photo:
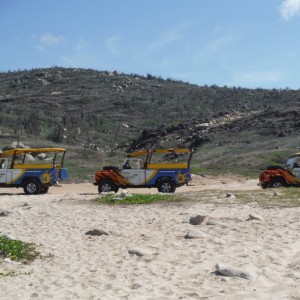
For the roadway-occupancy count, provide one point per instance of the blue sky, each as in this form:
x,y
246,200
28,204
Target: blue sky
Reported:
x,y
245,43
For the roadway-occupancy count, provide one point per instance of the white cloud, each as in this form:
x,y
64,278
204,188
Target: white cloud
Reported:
x,y
256,78
111,44
165,39
81,45
48,40
289,9
214,47
172,35
80,55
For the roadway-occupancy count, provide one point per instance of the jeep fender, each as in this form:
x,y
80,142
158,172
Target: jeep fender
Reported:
x,y
27,178
162,178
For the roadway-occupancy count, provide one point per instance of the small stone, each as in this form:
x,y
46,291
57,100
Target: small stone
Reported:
x,y
135,286
199,219
255,217
193,234
96,232
229,195
9,236
27,207
9,261
219,241
139,252
124,194
225,279
212,222
236,272
4,213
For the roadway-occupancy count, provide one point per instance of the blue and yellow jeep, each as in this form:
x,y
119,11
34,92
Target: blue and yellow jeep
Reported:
x,y
33,169
164,169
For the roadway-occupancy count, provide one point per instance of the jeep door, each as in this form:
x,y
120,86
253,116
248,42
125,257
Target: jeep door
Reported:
x,y
7,175
134,173
3,170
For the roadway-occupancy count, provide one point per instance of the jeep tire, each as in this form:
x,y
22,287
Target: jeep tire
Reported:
x,y
277,182
44,190
32,187
166,186
106,186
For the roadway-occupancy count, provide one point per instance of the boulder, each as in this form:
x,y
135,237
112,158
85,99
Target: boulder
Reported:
x,y
199,219
244,272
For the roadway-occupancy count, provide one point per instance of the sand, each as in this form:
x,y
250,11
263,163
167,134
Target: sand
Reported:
x,y
145,253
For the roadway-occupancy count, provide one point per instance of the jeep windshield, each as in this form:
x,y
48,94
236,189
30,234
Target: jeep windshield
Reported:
x,y
293,162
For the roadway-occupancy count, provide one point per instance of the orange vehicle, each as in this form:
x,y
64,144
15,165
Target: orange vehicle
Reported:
x,y
277,176
165,169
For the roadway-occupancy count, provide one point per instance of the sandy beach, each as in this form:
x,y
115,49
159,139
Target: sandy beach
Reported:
x,y
239,251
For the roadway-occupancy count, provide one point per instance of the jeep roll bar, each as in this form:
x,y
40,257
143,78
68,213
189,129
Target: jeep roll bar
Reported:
x,y
24,151
149,153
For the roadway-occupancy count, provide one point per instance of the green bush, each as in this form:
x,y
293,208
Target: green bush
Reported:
x,y
17,250
135,199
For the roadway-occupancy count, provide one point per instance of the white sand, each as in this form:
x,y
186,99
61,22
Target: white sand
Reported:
x,y
78,266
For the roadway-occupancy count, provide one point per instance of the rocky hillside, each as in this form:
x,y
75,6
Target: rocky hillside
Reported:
x,y
230,128
108,112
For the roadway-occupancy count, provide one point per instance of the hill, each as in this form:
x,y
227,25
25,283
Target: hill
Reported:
x,y
100,114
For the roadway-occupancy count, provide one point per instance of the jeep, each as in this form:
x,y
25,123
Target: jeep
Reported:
x,y
140,170
278,176
32,169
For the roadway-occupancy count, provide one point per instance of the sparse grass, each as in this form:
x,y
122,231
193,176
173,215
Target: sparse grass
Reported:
x,y
283,197
13,274
135,199
206,171
8,274
79,171
17,250
287,197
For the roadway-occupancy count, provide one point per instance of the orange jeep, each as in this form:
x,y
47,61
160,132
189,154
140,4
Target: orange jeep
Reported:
x,y
165,169
277,176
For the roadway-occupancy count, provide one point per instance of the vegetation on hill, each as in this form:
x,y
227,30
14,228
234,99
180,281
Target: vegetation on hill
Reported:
x,y
98,115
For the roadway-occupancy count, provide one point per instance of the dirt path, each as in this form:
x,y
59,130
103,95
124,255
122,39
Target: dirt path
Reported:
x,y
199,183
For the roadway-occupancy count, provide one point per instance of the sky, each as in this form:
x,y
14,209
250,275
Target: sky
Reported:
x,y
234,43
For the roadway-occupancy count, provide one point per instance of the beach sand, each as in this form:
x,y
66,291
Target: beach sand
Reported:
x,y
145,253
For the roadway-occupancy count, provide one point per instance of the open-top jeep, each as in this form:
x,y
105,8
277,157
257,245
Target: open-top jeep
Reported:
x,y
277,176
164,169
33,169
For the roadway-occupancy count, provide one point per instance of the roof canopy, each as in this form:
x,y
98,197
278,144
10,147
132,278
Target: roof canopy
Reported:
x,y
162,151
295,155
30,150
